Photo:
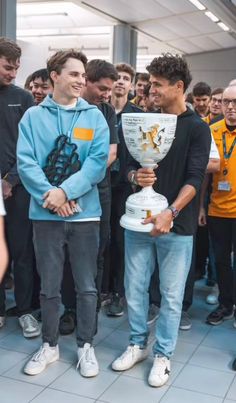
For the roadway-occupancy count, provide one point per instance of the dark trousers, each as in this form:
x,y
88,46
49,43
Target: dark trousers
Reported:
x,y
117,265
68,288
81,238
19,241
223,236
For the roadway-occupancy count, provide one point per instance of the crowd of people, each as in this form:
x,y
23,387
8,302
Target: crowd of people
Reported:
x,y
66,175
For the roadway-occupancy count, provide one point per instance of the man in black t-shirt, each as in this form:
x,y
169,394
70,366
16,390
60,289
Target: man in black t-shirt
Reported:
x,y
100,76
179,177
14,101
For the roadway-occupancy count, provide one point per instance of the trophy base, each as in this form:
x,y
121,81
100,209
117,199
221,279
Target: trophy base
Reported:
x,y
141,205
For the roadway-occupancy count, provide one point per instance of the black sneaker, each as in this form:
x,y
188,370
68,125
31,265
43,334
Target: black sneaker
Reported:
x,y
116,306
219,315
13,311
67,322
105,299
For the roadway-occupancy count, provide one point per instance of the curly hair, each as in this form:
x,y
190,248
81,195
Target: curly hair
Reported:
x,y
172,68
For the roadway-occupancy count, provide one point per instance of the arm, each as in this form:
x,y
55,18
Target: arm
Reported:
x,y
112,154
31,174
3,250
214,158
202,211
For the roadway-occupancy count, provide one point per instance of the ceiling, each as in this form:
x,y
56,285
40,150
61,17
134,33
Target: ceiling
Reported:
x,y
170,25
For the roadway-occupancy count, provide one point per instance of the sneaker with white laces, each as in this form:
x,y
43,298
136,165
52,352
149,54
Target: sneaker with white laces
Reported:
x,y
129,358
2,321
87,363
29,326
160,371
43,357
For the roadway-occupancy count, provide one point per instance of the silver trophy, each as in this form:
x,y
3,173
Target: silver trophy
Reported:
x,y
148,137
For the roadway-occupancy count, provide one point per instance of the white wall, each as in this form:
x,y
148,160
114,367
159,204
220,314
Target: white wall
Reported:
x,y
216,68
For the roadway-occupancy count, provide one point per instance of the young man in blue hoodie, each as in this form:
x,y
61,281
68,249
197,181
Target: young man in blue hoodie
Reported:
x,y
66,214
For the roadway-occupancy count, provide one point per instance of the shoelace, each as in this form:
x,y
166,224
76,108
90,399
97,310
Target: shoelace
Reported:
x,y
127,352
38,355
88,355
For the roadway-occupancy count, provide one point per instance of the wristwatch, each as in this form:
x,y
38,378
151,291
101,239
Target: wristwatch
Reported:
x,y
174,211
132,178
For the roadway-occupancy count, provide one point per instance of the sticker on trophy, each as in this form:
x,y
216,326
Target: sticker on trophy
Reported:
x,y
224,186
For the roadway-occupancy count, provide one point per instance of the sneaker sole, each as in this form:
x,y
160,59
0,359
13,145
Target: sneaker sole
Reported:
x,y
31,335
187,327
221,321
155,385
90,374
115,314
33,372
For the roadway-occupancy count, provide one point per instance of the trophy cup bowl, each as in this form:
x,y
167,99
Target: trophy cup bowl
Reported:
x,y
148,137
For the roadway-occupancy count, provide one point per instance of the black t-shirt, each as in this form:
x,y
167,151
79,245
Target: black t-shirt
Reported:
x,y
119,167
110,116
14,101
184,164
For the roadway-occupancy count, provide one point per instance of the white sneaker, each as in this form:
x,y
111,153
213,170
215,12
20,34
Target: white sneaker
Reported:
x,y
44,356
129,358
212,298
2,321
87,361
29,325
160,371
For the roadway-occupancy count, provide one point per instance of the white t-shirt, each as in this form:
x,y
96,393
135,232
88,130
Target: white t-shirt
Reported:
x,y
2,208
214,153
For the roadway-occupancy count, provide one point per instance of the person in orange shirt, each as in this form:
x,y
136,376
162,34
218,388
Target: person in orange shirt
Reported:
x,y
222,208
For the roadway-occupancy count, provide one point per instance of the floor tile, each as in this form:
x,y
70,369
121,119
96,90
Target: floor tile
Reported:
x,y
9,359
118,339
106,355
88,387
55,396
12,391
131,390
221,338
16,342
232,390
51,373
176,395
196,334
10,326
212,358
184,351
215,383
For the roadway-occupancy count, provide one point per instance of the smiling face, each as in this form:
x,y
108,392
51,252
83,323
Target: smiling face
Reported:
x,y
8,70
215,104
69,82
164,93
40,89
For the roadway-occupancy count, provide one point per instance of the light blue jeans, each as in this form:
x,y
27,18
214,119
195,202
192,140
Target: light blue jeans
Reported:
x,y
174,254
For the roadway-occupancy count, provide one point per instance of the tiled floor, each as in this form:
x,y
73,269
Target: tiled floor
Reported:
x,y
201,366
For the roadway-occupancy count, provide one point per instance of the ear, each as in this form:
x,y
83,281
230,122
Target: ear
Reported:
x,y
180,85
53,75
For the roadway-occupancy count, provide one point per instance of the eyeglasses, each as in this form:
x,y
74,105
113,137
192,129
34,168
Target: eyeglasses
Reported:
x,y
226,102
216,101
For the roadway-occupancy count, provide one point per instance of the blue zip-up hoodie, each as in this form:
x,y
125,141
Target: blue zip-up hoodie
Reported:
x,y
38,130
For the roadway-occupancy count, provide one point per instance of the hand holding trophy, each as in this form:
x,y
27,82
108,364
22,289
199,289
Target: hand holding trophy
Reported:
x,y
148,137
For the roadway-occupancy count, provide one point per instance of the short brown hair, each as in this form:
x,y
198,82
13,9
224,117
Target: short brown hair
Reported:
x,y
9,49
58,60
142,77
127,68
217,91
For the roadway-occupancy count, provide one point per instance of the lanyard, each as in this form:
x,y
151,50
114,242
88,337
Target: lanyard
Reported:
x,y
228,154
69,131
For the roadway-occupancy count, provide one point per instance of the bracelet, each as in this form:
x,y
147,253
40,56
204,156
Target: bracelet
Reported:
x,y
174,211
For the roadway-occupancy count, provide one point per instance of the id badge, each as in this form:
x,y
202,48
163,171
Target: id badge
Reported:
x,y
224,186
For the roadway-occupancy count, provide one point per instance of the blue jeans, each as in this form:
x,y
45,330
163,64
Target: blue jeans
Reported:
x,y
174,254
